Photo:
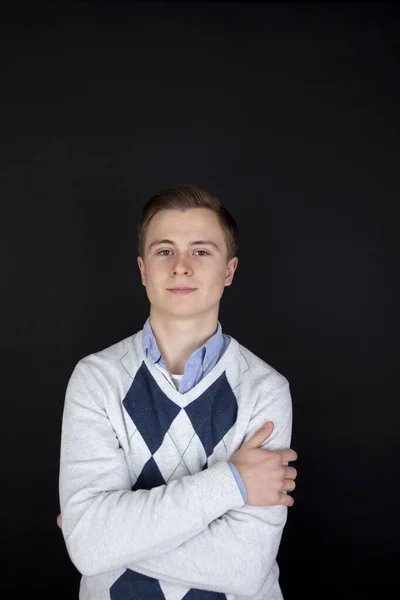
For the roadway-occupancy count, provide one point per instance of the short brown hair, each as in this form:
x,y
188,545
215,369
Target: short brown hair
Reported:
x,y
182,198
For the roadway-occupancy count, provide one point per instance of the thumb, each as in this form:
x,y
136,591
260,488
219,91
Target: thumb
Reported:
x,y
260,436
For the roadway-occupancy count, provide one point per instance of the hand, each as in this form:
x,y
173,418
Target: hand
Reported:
x,y
59,521
263,472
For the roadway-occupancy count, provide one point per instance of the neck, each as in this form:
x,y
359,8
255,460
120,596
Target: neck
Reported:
x,y
178,338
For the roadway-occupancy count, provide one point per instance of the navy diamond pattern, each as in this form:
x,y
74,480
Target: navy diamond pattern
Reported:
x,y
211,415
150,477
203,595
149,408
134,586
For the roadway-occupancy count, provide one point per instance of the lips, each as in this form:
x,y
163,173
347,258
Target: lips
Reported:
x,y
181,290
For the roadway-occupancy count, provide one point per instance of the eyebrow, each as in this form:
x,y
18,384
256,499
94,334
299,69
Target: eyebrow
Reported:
x,y
195,243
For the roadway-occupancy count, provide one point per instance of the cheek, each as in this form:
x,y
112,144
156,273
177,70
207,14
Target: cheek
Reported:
x,y
154,276
216,280
152,270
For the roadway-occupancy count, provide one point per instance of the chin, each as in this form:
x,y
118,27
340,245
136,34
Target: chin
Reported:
x,y
180,310
184,311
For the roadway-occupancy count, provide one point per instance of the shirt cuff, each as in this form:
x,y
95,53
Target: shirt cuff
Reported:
x,y
239,480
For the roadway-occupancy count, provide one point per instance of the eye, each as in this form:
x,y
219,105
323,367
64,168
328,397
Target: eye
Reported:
x,y
161,252
204,252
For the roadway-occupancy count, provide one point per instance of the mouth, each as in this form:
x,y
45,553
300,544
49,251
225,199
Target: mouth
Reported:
x,y
182,290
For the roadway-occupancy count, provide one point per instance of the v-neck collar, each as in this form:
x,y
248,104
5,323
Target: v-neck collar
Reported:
x,y
183,400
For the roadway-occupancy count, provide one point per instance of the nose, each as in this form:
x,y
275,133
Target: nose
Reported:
x,y
181,267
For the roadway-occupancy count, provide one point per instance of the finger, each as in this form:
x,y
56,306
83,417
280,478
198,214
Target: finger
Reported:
x,y
59,521
286,500
290,473
289,485
260,436
288,455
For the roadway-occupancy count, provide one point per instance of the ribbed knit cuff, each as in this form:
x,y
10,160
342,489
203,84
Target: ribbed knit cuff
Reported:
x,y
218,490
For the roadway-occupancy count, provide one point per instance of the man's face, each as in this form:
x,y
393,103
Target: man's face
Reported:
x,y
185,266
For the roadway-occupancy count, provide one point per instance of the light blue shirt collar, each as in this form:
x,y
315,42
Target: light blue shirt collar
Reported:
x,y
204,356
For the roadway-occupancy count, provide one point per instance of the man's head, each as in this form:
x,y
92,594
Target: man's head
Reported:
x,y
183,198
186,239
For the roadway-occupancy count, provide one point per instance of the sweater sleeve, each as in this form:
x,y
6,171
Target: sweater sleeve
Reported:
x,y
106,525
236,553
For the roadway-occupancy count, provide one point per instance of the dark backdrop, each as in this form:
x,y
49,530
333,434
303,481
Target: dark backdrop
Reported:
x,y
290,113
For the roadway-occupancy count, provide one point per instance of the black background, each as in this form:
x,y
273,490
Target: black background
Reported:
x,y
290,114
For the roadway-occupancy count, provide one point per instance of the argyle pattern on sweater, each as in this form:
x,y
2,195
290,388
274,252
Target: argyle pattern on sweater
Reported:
x,y
167,443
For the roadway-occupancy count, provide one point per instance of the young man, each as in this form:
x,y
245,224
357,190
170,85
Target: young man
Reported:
x,y
175,441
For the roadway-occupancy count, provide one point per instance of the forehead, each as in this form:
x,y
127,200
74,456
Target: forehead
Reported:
x,y
181,224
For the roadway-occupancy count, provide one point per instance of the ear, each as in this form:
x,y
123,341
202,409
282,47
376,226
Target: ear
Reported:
x,y
142,269
230,270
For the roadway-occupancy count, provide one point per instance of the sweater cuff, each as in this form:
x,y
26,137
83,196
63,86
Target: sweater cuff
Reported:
x,y
239,480
218,490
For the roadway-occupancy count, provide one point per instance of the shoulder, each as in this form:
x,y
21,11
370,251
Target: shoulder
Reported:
x,y
259,371
267,392
110,360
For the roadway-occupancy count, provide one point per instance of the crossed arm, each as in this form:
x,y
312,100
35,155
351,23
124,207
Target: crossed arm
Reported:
x,y
212,541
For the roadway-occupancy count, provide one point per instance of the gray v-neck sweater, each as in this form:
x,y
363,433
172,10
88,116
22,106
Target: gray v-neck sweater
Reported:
x,y
150,506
